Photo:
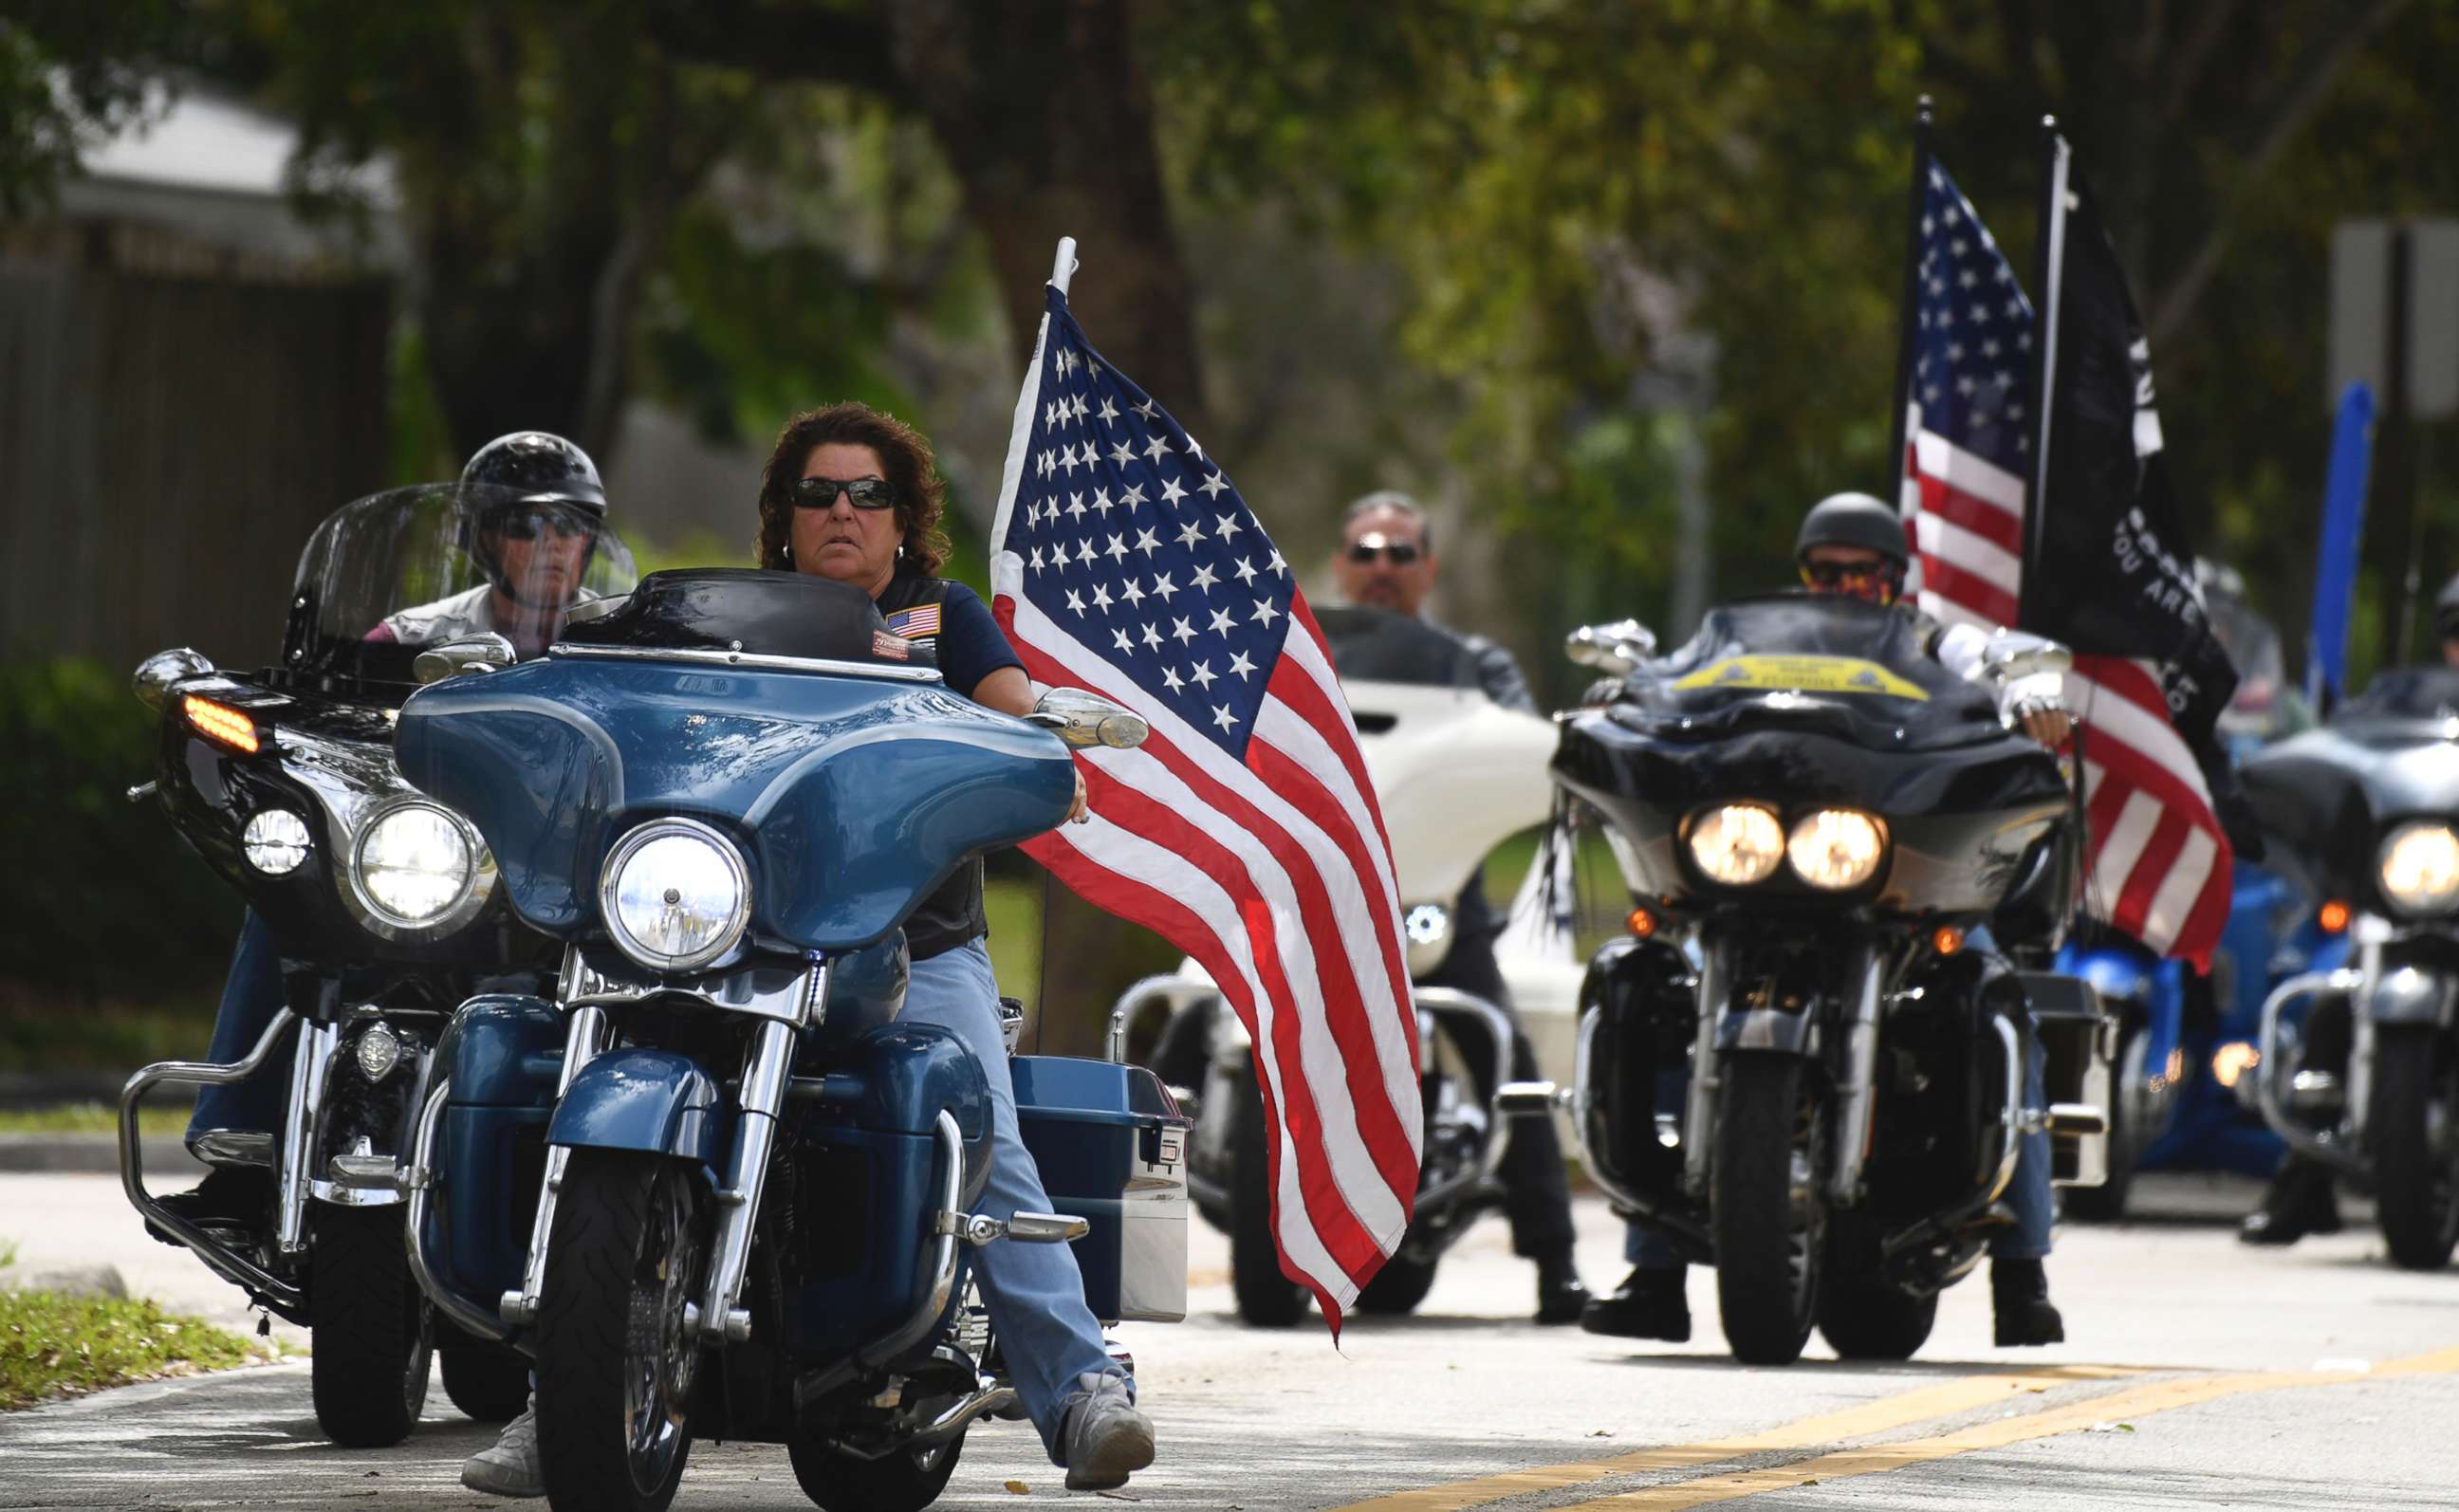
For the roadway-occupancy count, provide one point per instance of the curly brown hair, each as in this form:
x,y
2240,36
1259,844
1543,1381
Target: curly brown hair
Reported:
x,y
905,453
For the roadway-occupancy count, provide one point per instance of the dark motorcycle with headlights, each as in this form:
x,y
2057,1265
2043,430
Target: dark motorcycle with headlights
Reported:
x,y
1804,1066
377,903
2358,1068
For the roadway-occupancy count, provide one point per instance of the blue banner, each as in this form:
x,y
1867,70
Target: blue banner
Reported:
x,y
2335,571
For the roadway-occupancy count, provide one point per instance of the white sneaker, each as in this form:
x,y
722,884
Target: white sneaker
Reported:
x,y
511,1467
1105,1438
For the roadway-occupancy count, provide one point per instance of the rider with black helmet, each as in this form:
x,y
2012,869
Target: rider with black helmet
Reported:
x,y
530,538
1854,545
535,508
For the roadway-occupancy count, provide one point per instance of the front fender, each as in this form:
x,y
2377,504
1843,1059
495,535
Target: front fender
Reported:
x,y
1768,1029
2410,995
652,1100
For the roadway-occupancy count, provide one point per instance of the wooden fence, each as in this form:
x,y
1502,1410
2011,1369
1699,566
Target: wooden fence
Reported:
x,y
167,441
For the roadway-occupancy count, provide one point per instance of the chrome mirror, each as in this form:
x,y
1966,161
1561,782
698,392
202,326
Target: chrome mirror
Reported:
x,y
155,675
2012,654
1616,647
1085,718
483,652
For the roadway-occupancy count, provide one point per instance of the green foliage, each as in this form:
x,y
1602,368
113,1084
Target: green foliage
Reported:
x,y
162,1121
58,1346
101,898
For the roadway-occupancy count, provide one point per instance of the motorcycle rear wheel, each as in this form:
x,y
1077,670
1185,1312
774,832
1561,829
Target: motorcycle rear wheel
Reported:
x,y
2416,1186
372,1331
1266,1298
1864,1317
1398,1287
614,1365
488,1382
906,1481
1768,1205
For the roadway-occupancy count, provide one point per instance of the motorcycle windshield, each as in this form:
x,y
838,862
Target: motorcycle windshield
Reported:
x,y
851,789
2417,694
1377,645
392,573
1832,665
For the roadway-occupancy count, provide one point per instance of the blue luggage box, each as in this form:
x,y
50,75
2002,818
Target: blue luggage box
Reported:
x,y
1112,1149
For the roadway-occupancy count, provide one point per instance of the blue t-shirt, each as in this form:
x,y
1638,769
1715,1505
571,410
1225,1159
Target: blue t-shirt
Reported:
x,y
958,627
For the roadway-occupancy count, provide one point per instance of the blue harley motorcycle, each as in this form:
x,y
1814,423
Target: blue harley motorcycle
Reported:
x,y
715,1187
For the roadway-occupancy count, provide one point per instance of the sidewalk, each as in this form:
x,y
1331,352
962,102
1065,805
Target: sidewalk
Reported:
x,y
74,1220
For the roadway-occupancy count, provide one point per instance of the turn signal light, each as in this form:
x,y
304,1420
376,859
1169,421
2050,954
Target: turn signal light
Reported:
x,y
1946,940
2233,1061
1642,922
2333,918
220,724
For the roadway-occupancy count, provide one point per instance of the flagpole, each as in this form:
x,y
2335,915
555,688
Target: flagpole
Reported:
x,y
1063,267
1906,343
2049,254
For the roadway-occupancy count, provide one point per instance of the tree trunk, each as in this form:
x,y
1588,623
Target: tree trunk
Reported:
x,y
1046,114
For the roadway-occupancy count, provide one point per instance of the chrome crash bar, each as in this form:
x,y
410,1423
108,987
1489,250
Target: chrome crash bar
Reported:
x,y
417,1181
2270,1090
219,1258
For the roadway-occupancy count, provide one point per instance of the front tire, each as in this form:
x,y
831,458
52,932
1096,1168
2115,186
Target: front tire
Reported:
x,y
905,1480
1266,1298
1769,1204
372,1331
615,1364
2413,1128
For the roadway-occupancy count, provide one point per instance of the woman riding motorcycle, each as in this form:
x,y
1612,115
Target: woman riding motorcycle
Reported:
x,y
1853,544
855,495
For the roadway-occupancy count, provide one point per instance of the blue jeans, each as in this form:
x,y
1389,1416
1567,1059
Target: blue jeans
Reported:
x,y
1034,1292
251,995
2028,1194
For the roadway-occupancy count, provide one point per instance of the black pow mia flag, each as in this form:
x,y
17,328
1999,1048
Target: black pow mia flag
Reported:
x,y
2110,572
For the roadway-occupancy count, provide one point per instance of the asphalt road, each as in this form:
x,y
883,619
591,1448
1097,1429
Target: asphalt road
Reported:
x,y
2201,1374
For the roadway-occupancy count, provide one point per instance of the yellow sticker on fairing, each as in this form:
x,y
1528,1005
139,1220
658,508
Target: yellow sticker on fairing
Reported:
x,y
1803,674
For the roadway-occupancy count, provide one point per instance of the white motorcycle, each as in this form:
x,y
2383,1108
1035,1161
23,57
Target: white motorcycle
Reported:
x,y
1456,775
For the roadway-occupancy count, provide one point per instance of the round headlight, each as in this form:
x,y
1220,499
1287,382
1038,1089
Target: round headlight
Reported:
x,y
276,842
1737,843
677,895
1837,848
2420,866
414,863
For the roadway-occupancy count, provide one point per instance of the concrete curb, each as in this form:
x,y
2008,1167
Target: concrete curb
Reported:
x,y
166,1159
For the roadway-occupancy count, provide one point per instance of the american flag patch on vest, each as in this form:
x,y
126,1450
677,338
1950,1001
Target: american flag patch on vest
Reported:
x,y
917,622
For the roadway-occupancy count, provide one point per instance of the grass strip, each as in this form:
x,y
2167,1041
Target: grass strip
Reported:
x,y
164,1122
53,1346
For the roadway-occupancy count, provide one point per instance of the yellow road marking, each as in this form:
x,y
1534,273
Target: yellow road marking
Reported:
x,y
1942,1400
2137,1401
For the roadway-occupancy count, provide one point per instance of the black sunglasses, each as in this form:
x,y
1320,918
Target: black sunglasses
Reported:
x,y
1399,553
530,523
1830,575
866,493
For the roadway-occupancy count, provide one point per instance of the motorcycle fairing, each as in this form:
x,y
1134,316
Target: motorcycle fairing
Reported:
x,y
2330,795
854,797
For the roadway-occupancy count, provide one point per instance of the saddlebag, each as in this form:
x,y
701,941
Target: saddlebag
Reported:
x,y
1111,1146
2080,1039
1638,1017
503,1054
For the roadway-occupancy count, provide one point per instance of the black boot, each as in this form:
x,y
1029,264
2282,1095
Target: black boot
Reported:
x,y
2299,1202
229,1197
2020,1291
1560,1298
1650,1304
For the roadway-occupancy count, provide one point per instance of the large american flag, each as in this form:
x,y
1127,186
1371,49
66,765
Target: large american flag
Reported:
x,y
2157,862
1245,831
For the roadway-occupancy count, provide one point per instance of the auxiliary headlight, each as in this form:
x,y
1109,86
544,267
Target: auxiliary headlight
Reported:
x,y
1737,843
414,863
2420,866
676,895
1428,930
1837,848
276,842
